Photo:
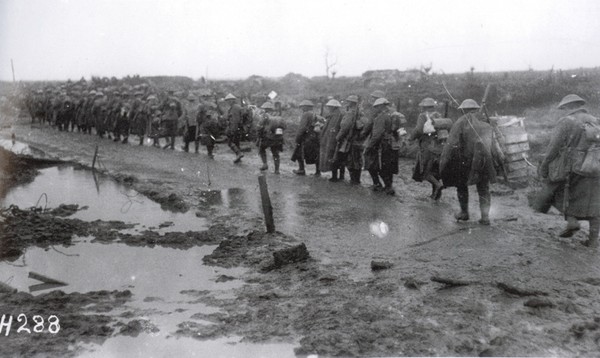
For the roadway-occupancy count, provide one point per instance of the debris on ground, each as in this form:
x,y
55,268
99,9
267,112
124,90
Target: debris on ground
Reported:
x,y
380,265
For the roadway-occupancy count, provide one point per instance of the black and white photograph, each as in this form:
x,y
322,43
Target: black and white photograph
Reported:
x,y
286,178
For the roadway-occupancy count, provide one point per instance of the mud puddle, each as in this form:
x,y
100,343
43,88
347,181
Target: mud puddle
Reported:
x,y
20,148
158,304
157,277
105,200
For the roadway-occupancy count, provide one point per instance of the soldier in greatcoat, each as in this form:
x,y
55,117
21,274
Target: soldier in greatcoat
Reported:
x,y
349,139
467,159
270,136
234,126
430,148
381,147
328,160
307,140
575,195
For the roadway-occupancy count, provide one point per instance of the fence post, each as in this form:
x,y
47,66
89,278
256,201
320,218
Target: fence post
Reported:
x,y
266,204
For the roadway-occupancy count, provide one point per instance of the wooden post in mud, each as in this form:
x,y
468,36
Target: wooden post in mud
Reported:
x,y
266,203
95,155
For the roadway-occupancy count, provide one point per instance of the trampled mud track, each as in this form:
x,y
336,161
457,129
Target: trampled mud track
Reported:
x,y
333,304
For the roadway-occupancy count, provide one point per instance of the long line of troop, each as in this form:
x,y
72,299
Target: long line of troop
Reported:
x,y
359,137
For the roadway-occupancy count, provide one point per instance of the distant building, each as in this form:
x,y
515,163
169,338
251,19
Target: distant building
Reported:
x,y
382,78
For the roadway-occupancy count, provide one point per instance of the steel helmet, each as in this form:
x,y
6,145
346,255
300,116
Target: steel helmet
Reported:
x,y
378,94
380,101
306,103
427,102
570,98
333,103
267,105
469,104
230,96
352,98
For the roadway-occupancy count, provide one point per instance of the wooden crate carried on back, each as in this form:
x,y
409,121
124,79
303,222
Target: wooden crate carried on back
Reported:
x,y
514,143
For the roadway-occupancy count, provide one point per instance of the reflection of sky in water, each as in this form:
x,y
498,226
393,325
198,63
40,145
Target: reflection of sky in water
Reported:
x,y
160,273
188,347
106,200
156,272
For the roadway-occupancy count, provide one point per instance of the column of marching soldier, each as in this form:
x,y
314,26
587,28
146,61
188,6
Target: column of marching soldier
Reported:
x,y
361,137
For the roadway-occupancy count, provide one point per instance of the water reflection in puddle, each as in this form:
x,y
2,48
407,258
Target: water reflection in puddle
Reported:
x,y
219,348
147,272
106,200
21,148
232,198
156,277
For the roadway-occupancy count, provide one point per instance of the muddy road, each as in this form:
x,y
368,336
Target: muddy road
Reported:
x,y
170,256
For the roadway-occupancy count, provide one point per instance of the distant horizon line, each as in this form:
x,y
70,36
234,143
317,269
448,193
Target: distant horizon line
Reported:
x,y
89,77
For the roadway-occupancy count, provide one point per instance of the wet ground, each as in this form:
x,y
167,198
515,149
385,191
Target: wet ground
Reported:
x,y
510,289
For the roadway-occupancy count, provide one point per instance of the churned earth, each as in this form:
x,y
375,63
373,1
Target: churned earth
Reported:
x,y
429,287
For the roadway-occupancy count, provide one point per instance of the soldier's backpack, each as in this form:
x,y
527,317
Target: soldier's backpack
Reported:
x,y
587,154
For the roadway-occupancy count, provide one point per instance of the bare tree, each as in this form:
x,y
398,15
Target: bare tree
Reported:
x,y
330,63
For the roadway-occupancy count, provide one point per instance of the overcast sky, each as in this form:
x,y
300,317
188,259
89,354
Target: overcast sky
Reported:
x,y
61,39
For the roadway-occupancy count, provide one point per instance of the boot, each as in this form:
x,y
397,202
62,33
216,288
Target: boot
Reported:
x,y
276,162
186,147
572,227
196,147
463,200
592,240
238,158
342,173
389,189
334,176
355,176
436,187
263,157
485,214
141,140
376,183
300,170
318,170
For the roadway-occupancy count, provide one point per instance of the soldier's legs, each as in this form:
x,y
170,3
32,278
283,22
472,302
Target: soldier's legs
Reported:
x,y
374,173
262,151
485,201
125,132
354,176
276,159
572,227
462,193
301,170
187,138
317,168
592,240
234,143
436,186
